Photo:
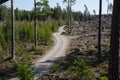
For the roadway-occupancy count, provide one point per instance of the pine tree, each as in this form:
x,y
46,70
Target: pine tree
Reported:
x,y
114,43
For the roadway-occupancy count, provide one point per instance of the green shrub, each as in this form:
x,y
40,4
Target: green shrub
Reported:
x,y
25,72
38,50
104,78
2,39
7,32
44,34
44,31
26,32
55,68
106,49
3,55
1,48
23,57
26,60
23,66
17,30
20,52
54,27
81,69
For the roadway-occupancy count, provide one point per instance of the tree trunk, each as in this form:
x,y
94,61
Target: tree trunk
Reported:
x,y
99,31
107,6
13,31
69,16
114,43
35,26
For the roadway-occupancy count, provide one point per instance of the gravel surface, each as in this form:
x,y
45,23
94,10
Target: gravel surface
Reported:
x,y
44,64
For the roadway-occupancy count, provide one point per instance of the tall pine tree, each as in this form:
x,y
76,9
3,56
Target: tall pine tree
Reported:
x,y
114,43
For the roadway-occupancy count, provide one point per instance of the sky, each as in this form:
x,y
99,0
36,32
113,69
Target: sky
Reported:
x,y
79,6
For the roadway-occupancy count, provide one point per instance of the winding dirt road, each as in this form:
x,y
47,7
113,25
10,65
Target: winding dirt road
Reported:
x,y
44,64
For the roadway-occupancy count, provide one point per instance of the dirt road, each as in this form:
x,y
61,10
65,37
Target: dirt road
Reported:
x,y
44,64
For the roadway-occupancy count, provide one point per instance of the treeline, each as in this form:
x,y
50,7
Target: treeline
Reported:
x,y
54,13
45,12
